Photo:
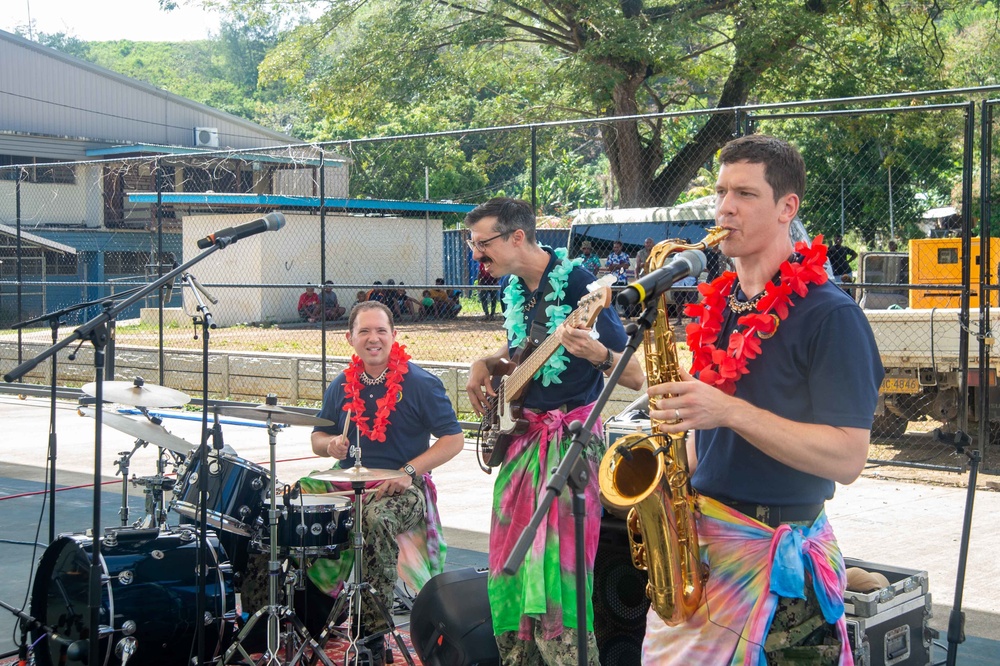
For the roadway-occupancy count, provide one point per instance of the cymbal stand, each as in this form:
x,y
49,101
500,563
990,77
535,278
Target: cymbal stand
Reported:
x,y
122,465
153,487
296,631
352,595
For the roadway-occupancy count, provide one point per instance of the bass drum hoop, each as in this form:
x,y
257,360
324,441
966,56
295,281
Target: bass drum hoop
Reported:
x,y
82,544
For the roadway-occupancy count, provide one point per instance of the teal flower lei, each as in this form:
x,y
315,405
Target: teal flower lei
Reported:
x,y
513,298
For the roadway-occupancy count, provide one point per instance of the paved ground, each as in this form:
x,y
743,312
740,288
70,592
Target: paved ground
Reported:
x,y
882,521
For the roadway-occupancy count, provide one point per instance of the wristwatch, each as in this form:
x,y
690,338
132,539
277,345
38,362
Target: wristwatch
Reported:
x,y
606,364
409,469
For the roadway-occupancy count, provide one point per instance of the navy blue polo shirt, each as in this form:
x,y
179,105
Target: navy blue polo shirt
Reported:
x,y
822,366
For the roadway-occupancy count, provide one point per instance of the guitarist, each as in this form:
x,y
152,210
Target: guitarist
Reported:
x,y
534,611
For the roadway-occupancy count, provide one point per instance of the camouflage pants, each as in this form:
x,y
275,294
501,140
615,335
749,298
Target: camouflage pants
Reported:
x,y
800,636
382,521
559,651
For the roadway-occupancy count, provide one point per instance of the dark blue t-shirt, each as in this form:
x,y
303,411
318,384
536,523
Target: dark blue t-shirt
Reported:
x,y
822,366
423,410
581,382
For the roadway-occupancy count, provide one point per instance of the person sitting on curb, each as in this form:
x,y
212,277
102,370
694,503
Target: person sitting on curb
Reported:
x,y
309,305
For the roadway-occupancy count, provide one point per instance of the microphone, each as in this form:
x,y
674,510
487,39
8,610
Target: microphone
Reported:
x,y
654,283
270,222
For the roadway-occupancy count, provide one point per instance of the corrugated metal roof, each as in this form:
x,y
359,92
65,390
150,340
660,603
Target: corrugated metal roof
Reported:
x,y
37,240
284,201
57,94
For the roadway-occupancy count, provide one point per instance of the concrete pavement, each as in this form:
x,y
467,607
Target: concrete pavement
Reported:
x,y
885,522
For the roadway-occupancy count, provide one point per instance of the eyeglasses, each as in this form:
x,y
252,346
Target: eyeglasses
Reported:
x,y
480,245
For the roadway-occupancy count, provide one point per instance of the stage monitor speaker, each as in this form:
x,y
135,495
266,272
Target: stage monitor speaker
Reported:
x,y
620,602
450,623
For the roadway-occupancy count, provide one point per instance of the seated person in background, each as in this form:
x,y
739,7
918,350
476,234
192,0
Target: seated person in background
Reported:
x,y
618,263
446,305
395,299
360,297
426,305
418,408
408,304
591,262
331,309
377,293
309,305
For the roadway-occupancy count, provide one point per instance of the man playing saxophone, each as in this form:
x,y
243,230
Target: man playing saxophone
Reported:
x,y
779,405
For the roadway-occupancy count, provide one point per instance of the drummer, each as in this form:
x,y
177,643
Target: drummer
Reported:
x,y
394,407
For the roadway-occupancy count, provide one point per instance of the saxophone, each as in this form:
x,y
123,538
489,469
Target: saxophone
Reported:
x,y
647,475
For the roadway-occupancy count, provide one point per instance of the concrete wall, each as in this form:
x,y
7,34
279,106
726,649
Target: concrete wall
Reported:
x,y
359,250
242,376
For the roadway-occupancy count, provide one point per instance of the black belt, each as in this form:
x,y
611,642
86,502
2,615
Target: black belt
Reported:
x,y
773,516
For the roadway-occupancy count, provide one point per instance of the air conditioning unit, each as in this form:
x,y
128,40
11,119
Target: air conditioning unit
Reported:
x,y
206,137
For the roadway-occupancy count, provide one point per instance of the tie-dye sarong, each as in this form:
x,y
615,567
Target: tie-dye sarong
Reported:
x,y
752,565
422,551
543,590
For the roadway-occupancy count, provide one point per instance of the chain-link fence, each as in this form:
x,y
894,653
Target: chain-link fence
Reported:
x,y
895,178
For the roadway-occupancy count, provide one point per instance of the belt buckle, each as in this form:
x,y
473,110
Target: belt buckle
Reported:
x,y
763,514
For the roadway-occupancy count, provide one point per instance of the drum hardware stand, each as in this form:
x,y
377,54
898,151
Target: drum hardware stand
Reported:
x,y
97,332
352,594
276,613
55,321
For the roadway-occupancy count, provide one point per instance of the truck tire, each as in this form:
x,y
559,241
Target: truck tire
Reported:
x,y
889,426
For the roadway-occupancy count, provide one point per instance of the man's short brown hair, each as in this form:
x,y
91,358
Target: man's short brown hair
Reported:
x,y
784,168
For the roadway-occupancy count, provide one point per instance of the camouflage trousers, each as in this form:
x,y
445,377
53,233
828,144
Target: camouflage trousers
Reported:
x,y
559,651
799,634
383,520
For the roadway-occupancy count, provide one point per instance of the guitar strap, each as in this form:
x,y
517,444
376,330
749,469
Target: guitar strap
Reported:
x,y
538,327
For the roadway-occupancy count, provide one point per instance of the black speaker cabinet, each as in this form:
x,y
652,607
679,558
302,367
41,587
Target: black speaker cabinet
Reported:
x,y
620,602
450,623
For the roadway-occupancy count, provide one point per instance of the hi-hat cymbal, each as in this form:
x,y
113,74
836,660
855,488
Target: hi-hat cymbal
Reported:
x,y
138,394
351,474
275,414
143,429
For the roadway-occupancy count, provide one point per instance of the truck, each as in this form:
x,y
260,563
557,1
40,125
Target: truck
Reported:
x,y
919,331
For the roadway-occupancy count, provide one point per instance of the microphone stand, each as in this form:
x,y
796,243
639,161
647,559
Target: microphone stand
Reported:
x,y
203,317
573,470
96,331
55,321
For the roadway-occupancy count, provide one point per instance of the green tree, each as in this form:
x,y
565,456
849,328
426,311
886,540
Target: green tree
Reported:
x,y
587,57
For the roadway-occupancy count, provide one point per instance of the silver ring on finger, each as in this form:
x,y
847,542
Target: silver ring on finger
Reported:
x,y
677,415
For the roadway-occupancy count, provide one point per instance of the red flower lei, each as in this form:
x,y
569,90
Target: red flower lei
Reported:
x,y
724,367
355,404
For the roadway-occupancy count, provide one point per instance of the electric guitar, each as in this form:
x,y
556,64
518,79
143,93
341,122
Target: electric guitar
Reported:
x,y
503,417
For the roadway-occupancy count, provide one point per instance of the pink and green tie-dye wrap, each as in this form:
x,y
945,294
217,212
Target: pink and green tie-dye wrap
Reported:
x,y
751,566
543,590
422,551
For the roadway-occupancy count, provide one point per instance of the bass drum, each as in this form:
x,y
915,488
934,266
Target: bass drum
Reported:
x,y
149,593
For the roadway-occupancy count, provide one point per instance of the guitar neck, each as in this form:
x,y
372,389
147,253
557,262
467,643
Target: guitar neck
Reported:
x,y
524,372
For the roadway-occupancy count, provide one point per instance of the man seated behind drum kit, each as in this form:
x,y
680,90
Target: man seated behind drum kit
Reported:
x,y
395,406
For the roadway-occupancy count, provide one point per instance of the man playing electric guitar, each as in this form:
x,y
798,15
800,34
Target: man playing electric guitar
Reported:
x,y
534,611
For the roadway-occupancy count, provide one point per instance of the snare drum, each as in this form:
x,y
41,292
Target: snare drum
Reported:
x,y
235,495
149,594
312,525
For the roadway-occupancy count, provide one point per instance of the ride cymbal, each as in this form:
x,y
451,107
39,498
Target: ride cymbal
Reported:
x,y
138,394
275,414
143,429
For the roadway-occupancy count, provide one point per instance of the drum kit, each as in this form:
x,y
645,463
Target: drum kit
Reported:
x,y
150,588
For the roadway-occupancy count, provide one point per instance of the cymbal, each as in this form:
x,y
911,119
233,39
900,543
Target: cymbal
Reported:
x,y
275,414
143,429
352,474
138,394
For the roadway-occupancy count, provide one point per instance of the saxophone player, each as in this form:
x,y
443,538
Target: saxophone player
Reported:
x,y
778,405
